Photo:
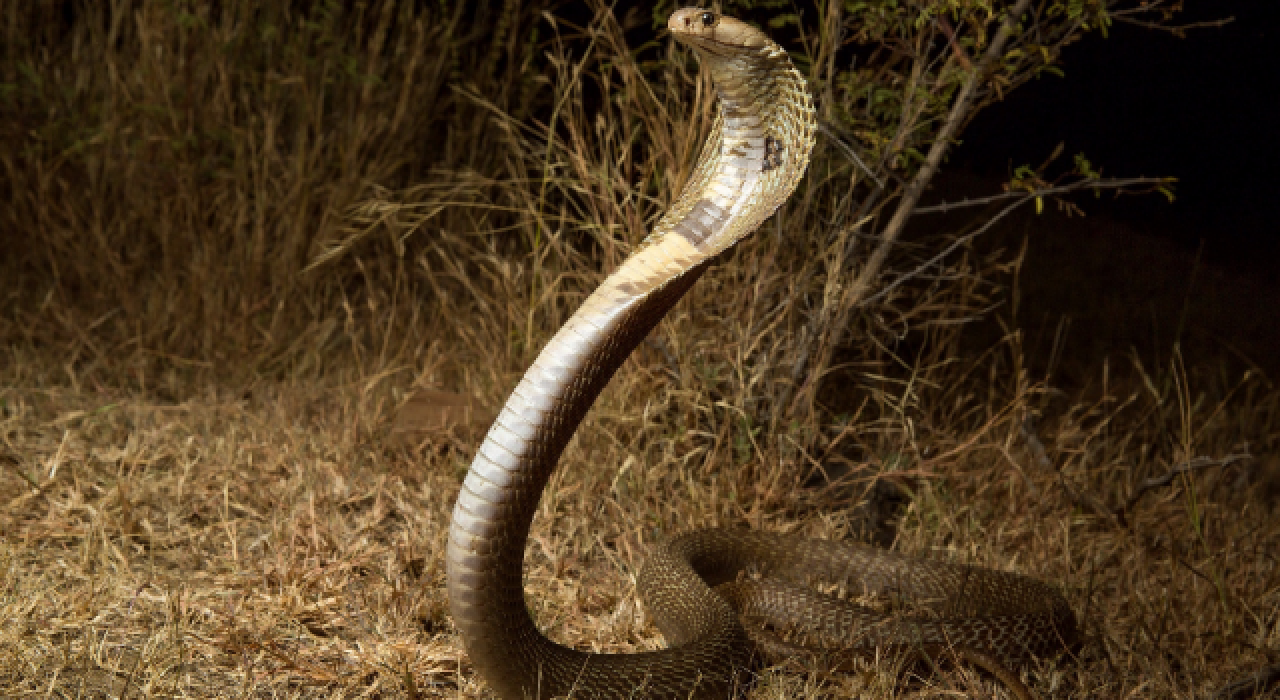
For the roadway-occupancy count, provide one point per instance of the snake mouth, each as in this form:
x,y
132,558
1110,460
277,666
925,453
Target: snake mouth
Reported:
x,y
711,46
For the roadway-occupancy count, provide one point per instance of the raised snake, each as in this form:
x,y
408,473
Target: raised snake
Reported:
x,y
695,588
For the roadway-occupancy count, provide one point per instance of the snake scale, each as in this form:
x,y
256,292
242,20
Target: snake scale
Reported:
x,y
694,588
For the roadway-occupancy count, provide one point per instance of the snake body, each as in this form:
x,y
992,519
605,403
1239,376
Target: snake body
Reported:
x,y
694,588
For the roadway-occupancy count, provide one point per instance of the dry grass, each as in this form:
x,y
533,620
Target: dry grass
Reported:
x,y
204,346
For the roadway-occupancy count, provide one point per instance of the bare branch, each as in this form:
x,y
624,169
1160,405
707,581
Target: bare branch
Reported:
x,y
1188,466
1023,198
888,289
957,116
1116,183
1179,29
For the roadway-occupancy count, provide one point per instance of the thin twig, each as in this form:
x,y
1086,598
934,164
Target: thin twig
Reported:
x,y
1089,502
1250,686
1188,466
848,151
888,288
1025,197
1178,30
948,32
1084,499
1115,183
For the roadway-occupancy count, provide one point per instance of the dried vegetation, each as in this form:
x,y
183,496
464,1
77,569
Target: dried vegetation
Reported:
x,y
239,239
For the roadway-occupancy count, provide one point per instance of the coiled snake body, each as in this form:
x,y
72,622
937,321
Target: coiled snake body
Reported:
x,y
757,153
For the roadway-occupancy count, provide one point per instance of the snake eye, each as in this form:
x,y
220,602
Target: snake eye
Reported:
x,y
708,19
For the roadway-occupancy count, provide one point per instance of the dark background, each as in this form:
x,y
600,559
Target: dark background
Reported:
x,y
1141,102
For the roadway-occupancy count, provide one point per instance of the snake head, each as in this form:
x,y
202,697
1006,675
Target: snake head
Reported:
x,y
712,32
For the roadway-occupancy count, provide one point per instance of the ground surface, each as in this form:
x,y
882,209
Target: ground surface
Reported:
x,y
284,540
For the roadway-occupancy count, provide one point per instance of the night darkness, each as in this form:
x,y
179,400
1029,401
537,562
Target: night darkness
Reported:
x,y
1141,102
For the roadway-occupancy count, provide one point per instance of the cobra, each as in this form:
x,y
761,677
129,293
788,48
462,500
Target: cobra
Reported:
x,y
693,588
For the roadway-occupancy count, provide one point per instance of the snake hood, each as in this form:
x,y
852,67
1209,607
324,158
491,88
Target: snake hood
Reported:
x,y
760,142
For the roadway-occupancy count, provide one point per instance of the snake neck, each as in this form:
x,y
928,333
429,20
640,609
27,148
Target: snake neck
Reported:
x,y
500,494
757,152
